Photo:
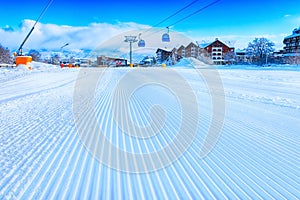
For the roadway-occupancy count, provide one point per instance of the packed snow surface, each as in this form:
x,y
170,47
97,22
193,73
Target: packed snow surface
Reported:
x,y
42,155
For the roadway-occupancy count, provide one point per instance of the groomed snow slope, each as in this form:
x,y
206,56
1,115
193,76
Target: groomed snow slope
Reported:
x,y
256,156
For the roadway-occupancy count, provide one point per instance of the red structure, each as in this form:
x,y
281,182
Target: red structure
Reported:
x,y
217,49
213,51
105,61
192,50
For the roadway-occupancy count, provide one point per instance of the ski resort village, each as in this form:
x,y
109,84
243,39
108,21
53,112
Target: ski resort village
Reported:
x,y
149,100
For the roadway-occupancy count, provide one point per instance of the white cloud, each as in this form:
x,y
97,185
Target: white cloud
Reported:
x,y
103,38
116,46
110,37
51,36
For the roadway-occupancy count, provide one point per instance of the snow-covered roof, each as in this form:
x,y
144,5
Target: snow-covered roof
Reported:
x,y
192,43
291,54
223,43
164,49
203,45
181,47
296,33
240,51
292,36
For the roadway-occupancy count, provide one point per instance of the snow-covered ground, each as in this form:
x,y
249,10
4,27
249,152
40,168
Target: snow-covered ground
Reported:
x,y
50,148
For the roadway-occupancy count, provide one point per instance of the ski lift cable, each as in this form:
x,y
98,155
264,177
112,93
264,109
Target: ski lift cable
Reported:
x,y
64,46
155,31
196,12
43,12
177,12
174,14
19,51
184,18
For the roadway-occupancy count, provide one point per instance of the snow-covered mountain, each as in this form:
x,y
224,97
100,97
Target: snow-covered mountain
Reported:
x,y
117,47
76,53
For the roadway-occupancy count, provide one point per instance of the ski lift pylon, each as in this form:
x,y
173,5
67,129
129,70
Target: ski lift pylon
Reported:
x,y
141,42
166,36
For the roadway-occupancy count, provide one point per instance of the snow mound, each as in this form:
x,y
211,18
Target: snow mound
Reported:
x,y
270,67
42,66
36,66
22,68
191,63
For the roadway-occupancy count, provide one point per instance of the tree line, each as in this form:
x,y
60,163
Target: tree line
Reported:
x,y
7,58
260,51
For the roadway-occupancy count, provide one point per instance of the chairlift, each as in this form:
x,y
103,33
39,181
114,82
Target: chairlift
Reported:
x,y
141,42
166,36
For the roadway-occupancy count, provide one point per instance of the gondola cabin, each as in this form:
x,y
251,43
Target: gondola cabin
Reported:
x,y
165,37
141,43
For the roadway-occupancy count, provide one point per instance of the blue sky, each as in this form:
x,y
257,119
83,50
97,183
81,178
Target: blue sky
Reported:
x,y
227,19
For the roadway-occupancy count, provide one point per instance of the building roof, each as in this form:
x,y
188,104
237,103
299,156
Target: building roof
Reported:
x,y
221,42
240,51
296,33
163,49
181,47
110,58
291,36
192,43
204,45
291,54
